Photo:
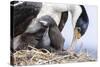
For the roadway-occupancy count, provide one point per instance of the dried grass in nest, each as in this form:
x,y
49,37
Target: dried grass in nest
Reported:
x,y
43,56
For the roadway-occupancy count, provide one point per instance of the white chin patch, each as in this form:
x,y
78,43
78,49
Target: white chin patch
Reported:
x,y
44,23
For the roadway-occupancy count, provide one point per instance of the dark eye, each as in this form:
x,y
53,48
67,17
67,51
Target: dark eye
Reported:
x,y
79,29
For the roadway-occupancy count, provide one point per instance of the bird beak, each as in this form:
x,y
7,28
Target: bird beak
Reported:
x,y
77,34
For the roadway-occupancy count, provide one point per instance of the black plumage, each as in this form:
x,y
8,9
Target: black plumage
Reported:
x,y
82,22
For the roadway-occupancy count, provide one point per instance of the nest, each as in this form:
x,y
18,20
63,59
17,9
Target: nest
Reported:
x,y
43,56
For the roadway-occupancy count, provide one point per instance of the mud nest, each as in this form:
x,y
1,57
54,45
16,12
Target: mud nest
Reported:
x,y
43,56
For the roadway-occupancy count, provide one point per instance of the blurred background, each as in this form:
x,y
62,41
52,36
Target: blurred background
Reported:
x,y
89,41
